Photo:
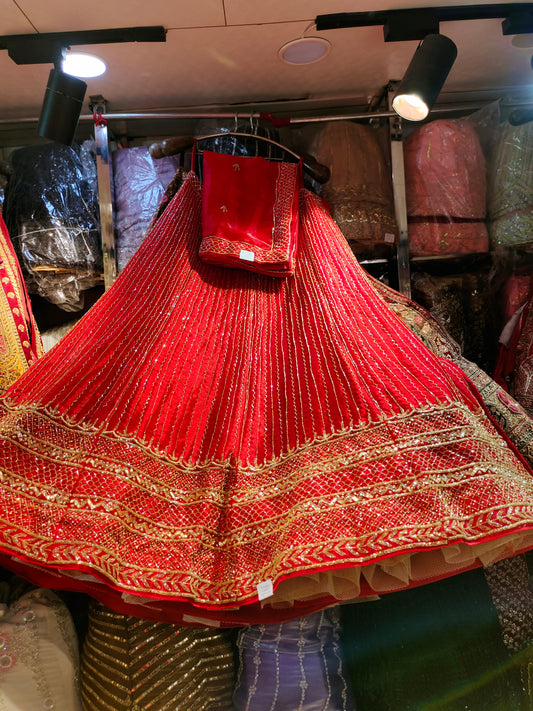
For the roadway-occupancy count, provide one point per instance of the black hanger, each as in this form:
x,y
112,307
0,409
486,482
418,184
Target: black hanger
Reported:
x,y
180,144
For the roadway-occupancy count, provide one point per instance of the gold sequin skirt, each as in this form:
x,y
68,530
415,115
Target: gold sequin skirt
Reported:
x,y
129,664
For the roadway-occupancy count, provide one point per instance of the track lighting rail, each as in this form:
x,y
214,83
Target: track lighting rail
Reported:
x,y
416,23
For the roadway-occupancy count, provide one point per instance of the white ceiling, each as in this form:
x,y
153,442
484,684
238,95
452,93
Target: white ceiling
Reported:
x,y
222,52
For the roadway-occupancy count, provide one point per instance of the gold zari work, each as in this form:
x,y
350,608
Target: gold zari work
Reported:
x,y
129,664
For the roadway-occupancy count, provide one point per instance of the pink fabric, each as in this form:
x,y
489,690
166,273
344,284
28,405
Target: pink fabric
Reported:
x,y
445,176
428,238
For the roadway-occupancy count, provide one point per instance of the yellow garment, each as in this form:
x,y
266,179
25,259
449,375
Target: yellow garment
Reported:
x,y
20,341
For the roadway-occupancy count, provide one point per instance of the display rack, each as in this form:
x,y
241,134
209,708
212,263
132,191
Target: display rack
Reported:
x,y
402,262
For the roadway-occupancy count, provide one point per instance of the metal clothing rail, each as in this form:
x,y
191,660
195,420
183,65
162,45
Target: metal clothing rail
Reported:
x,y
289,121
104,167
397,167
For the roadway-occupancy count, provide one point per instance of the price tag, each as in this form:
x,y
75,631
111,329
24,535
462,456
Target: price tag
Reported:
x,y
265,589
246,256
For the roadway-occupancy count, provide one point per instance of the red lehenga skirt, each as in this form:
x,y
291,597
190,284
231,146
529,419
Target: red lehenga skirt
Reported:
x,y
210,445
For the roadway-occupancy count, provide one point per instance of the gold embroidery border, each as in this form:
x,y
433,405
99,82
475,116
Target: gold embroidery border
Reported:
x,y
509,475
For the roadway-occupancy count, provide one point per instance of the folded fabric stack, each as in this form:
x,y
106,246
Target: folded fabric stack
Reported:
x,y
445,180
510,195
359,191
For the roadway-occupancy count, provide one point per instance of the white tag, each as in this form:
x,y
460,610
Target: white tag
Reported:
x,y
201,621
246,255
141,601
388,237
265,589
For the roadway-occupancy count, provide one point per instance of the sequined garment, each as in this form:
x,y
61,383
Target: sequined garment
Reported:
x,y
209,444
20,342
129,664
295,665
508,413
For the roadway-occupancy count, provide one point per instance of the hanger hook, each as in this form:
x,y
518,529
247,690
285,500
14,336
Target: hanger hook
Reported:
x,y
253,130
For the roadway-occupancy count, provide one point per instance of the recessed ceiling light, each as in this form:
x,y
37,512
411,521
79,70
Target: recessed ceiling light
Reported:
x,y
304,50
83,65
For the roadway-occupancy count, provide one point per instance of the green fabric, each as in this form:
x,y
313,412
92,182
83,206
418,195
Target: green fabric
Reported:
x,y
433,648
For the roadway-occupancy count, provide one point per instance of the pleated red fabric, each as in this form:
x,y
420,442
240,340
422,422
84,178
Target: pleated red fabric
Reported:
x,y
213,446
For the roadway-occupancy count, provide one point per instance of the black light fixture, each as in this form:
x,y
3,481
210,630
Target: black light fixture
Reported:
x,y
424,77
435,55
62,104
64,94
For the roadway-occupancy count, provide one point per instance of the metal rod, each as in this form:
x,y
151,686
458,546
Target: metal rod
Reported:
x,y
293,120
400,200
103,172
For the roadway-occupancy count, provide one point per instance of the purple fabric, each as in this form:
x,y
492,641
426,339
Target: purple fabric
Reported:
x,y
139,184
293,665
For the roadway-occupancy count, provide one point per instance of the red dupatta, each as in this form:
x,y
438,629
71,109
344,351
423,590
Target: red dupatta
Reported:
x,y
250,213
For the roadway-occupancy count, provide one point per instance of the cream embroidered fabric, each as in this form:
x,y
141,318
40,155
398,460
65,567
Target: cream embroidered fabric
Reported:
x,y
39,658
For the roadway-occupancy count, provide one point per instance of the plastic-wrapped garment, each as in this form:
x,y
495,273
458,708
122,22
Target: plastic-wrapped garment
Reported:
x,y
359,191
459,303
445,182
171,189
129,663
51,211
293,665
20,342
522,378
139,182
39,660
510,194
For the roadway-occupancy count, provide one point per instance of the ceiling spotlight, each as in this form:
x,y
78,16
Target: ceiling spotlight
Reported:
x,y
83,65
425,77
64,92
60,112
